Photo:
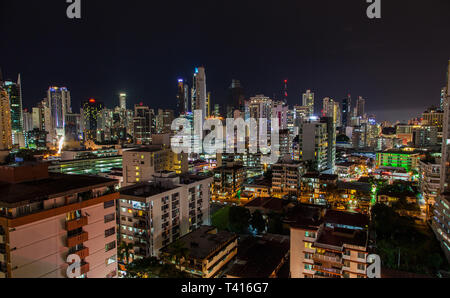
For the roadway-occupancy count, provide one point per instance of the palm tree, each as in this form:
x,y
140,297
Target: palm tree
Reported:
x,y
124,251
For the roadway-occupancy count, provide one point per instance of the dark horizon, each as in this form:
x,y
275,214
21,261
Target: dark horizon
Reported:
x,y
397,63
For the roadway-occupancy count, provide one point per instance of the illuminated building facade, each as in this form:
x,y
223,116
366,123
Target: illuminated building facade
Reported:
x,y
5,120
91,113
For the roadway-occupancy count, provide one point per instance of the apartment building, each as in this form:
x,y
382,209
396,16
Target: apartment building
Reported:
x,y
228,181
209,251
429,180
312,145
286,178
45,217
155,214
139,165
327,243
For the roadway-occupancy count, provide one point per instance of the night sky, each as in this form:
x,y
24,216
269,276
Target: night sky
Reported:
x,y
140,47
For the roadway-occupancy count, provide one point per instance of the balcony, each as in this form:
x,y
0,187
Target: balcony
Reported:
x,y
84,268
327,258
82,253
77,239
77,223
327,270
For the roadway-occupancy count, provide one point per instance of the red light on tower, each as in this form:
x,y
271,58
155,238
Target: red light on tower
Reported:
x,y
141,104
92,100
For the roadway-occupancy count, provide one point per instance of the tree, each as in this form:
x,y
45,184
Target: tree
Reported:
x,y
239,219
257,222
179,251
124,251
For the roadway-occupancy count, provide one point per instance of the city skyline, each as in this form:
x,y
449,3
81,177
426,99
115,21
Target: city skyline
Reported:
x,y
358,56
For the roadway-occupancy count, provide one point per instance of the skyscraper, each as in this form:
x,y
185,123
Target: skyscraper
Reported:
x,y
182,98
14,91
360,107
5,120
123,101
59,102
308,101
347,111
143,118
441,218
199,95
91,114
236,98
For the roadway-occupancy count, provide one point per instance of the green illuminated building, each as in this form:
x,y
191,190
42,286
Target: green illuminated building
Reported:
x,y
398,159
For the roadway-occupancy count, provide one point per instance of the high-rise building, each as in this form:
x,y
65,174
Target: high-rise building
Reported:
x,y
72,215
123,101
328,243
443,94
91,113
308,101
59,102
164,121
14,90
156,214
360,107
347,111
143,118
331,148
311,145
236,100
199,95
182,98
5,120
441,218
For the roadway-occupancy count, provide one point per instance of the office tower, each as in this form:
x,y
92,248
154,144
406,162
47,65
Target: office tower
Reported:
x,y
199,95
14,91
72,215
156,214
27,120
105,124
123,101
285,92
443,94
301,114
164,121
347,111
216,110
441,219
308,101
182,98
328,243
5,120
42,120
208,105
360,107
236,98
73,130
143,118
91,113
59,102
260,107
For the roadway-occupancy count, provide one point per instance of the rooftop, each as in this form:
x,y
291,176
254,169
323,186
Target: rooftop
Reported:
x,y
305,216
268,203
146,189
347,218
204,242
338,237
17,194
260,257
358,186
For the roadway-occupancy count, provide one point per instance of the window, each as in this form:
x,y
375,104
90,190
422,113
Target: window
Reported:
x,y
110,246
361,267
110,218
308,245
111,260
110,232
361,255
109,204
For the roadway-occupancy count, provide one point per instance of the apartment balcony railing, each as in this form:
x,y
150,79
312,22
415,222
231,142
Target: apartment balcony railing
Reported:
x,y
82,253
84,268
327,270
77,239
77,223
327,258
